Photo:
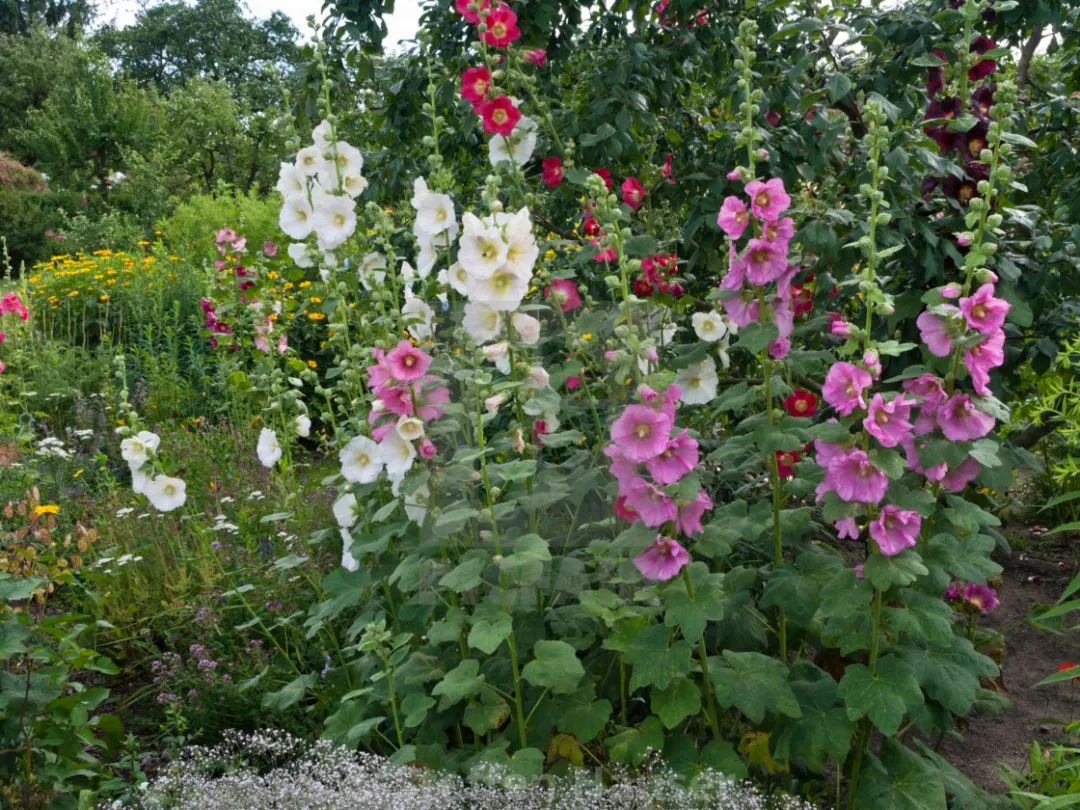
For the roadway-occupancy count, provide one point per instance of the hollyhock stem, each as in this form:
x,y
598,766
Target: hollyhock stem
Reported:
x,y
864,727
703,657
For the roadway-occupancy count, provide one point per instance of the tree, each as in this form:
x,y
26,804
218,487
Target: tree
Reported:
x,y
21,16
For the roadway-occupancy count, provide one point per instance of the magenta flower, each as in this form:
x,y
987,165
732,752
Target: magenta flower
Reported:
x,y
740,311
653,506
764,261
688,521
983,312
641,433
847,528
888,421
982,358
397,399
733,217
428,396
779,348
407,362
895,529
961,421
768,200
269,249
954,593
675,461
565,293
427,449
844,386
624,510
633,193
961,475
854,479
824,451
935,334
982,597
662,560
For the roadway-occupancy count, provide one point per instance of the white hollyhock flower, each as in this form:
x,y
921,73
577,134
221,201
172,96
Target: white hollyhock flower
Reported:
x,y
345,510
348,561
527,327
165,493
499,354
698,382
722,352
295,218
310,161
416,504
427,257
334,219
408,275
136,449
502,290
538,378
360,460
343,159
518,147
521,248
303,426
372,270
301,255
409,428
418,317
458,278
322,134
709,326
481,322
268,449
139,480
434,212
291,181
492,403
481,250
397,454
354,184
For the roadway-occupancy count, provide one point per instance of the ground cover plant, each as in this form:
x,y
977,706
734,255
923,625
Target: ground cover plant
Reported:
x,y
663,401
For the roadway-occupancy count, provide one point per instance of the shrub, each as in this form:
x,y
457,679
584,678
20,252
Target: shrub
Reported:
x,y
189,230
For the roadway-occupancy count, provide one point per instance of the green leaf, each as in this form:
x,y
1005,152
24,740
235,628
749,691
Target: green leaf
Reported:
x,y
753,683
466,575
755,337
528,763
824,731
647,648
487,714
414,706
490,631
12,636
584,720
290,694
527,548
690,614
459,683
838,86
883,695
681,699
902,781
556,666
632,746
902,569
452,520
950,674
14,589
514,470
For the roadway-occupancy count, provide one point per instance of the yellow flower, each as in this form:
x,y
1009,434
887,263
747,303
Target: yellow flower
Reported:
x,y
312,364
104,297
316,316
587,336
46,509
304,284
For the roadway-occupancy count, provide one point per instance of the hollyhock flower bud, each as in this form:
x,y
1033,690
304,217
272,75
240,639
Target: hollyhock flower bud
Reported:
x,y
773,118
961,421
427,449
779,348
500,115
536,56
763,154
844,386
895,529
768,200
552,172
733,217
951,290
270,249
983,312
982,597
517,439
611,355
633,193
963,239
666,170
841,328
662,560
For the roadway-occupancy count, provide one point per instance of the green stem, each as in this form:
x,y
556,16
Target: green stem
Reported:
x,y
703,656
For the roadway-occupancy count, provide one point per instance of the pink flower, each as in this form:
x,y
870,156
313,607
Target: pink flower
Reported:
x,y
888,421
733,217
666,170
662,560
11,303
768,200
624,510
606,255
840,328
641,433
552,172
406,362
633,193
779,348
961,475
536,56
269,249
427,449
605,175
475,83
741,311
895,529
428,396
779,231
501,27
565,293
982,597
854,479
676,460
983,312
982,358
953,593
499,116
471,15
688,520
960,420
844,386
653,506
935,334
765,261
847,529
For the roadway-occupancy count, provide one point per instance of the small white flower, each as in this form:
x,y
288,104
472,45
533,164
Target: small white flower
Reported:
x,y
521,248
295,218
353,185
499,354
434,212
709,326
290,181
722,352
301,255
502,290
698,382
124,512
348,561
416,505
322,134
334,219
360,460
345,510
481,322
372,270
268,449
538,378
397,454
481,250
346,162
527,327
458,278
165,493
303,425
139,480
409,428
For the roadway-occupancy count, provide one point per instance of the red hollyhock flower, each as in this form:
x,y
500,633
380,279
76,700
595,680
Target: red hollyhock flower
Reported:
x,y
500,116
633,193
606,175
475,83
552,172
666,171
501,27
573,383
773,118
802,301
785,462
537,56
591,227
471,15
643,288
801,403
1065,666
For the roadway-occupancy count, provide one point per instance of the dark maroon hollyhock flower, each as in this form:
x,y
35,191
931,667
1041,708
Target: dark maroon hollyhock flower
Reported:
x,y
935,78
962,189
643,288
802,300
983,99
677,290
984,67
949,108
773,118
928,186
974,141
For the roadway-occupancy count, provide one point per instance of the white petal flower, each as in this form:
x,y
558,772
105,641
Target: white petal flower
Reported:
x,y
268,449
409,428
709,326
334,219
538,378
499,354
397,454
303,426
698,382
322,134
527,327
354,185
310,161
518,147
458,278
372,270
136,449
295,218
291,181
722,352
416,504
492,403
521,248
348,561
139,480
418,317
481,250
343,159
502,290
481,322
345,510
434,212
427,257
301,255
166,493
360,460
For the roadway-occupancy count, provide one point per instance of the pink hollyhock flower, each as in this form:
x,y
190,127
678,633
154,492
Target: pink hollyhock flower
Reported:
x,y
844,386
501,27
935,473
961,475
961,421
499,115
653,506
269,249
675,461
785,462
666,170
930,389
605,175
858,569
825,452
471,15
935,334
688,521
982,358
983,312
840,328
382,424
741,311
475,83
407,362
768,200
641,433
872,363
847,529
536,56
379,374
633,193
282,344
734,175
565,294
427,449
887,421
397,399
606,255
733,217
11,303
952,290
982,597
573,383
624,510
662,560
779,348
782,230
429,397
765,261
854,479
552,172
800,403
895,529
953,593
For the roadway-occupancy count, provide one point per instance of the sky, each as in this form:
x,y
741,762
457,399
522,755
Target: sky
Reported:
x,y
402,24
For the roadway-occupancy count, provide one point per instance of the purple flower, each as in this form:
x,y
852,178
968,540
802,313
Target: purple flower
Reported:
x,y
844,386
662,560
982,597
895,529
887,421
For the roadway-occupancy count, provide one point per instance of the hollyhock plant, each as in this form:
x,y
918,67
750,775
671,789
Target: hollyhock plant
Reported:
x,y
674,461
768,200
895,529
641,433
844,387
605,175
653,505
688,521
847,529
960,420
406,362
765,261
662,560
887,420
475,83
499,115
502,27
934,330
536,56
983,312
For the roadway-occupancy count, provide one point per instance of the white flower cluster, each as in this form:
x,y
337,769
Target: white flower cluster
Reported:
x,y
346,513
164,492
698,381
320,190
517,147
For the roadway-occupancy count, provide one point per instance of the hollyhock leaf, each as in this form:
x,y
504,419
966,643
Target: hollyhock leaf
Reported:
x,y
466,575
903,781
832,432
641,246
921,616
735,398
448,628
985,451
290,694
770,439
414,707
690,614
889,462
586,720
722,756
635,745
514,470
452,520
965,559
603,132
459,683
489,632
902,569
755,337
556,667
914,500
754,684
679,700
528,763
893,348
563,438
487,714
973,513
824,731
797,586
927,60
385,511
882,695
949,673
647,648
578,175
